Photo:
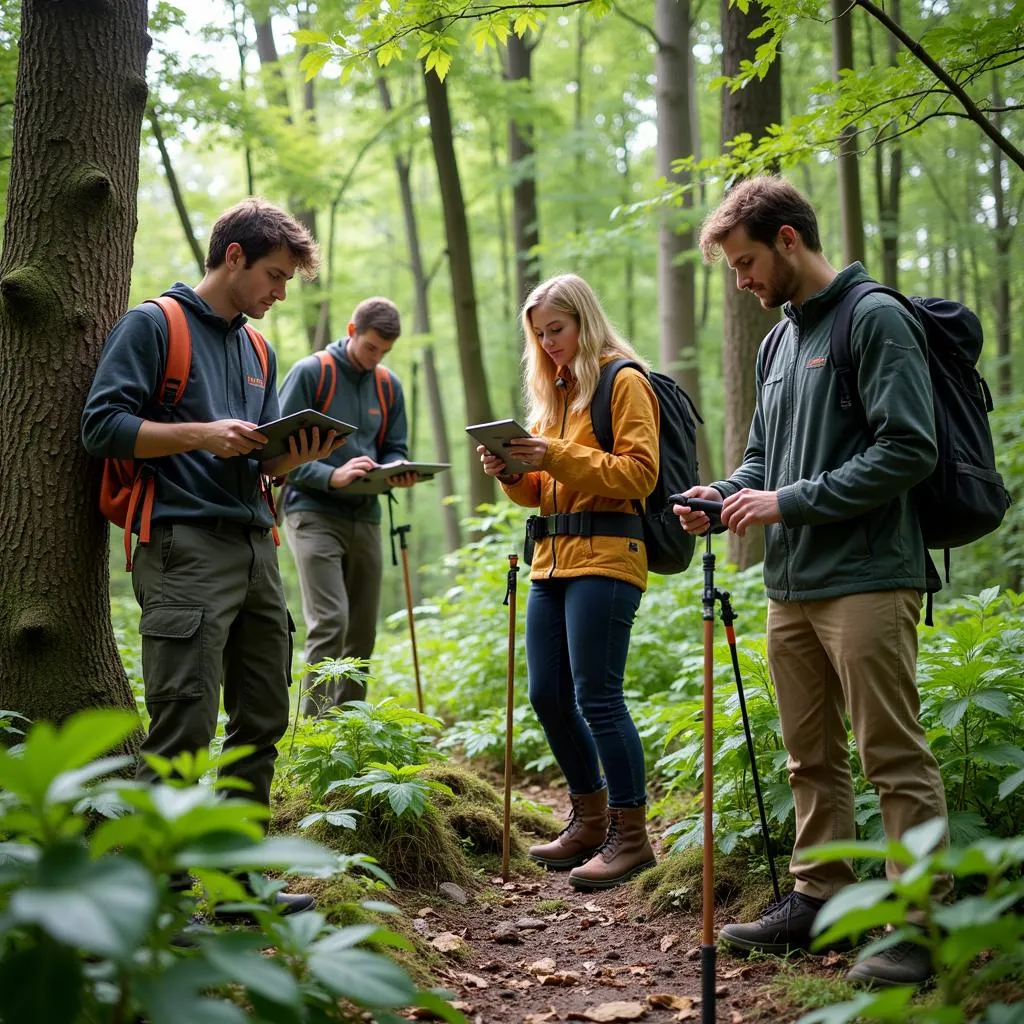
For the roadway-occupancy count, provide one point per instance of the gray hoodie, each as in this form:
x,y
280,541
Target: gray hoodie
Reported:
x,y
225,382
355,401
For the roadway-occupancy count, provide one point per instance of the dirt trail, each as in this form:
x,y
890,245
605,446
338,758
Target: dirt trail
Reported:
x,y
535,950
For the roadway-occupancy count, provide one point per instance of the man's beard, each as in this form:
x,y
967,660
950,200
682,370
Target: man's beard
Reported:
x,y
783,283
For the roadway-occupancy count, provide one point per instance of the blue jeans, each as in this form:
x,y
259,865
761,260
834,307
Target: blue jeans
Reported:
x,y
577,639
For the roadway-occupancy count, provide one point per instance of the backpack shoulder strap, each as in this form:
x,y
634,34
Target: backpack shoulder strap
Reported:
x,y
259,343
324,394
179,352
601,403
840,339
771,346
385,398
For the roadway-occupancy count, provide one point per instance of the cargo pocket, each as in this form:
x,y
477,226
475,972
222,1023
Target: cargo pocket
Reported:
x,y
172,650
291,643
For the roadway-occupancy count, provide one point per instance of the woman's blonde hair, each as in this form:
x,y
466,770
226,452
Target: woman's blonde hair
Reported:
x,y
569,294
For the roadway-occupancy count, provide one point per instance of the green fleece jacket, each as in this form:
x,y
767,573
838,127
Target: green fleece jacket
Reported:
x,y
843,476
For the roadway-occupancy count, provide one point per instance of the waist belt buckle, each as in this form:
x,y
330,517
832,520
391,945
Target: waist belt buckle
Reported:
x,y
536,528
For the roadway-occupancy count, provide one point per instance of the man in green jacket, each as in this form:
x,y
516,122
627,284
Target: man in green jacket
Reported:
x,y
844,560
335,535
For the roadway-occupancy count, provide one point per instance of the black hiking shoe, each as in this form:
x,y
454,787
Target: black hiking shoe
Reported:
x,y
782,928
906,963
287,903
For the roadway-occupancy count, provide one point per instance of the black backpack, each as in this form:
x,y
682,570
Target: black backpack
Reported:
x,y
964,497
669,548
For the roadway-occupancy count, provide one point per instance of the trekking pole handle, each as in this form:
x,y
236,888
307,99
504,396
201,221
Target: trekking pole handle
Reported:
x,y
712,509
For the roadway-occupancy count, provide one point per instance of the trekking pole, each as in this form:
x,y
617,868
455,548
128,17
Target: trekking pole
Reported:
x,y
510,600
707,941
728,617
400,532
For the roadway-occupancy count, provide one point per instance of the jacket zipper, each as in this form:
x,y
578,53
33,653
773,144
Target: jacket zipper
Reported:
x,y
790,384
554,487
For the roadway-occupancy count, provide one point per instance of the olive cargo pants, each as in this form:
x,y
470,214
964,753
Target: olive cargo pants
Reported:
x,y
858,654
213,614
340,562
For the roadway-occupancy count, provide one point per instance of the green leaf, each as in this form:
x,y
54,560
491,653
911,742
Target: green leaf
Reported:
x,y
365,978
995,701
1011,784
888,1005
174,996
924,838
239,957
276,852
71,785
42,982
103,906
433,1002
308,37
853,897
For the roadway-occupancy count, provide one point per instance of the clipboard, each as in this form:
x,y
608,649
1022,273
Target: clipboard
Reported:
x,y
277,432
378,481
495,437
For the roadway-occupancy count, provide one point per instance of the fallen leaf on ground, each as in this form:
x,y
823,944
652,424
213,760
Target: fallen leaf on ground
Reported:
x,y
540,1018
670,1001
609,1012
668,941
594,908
560,978
426,912
738,972
545,966
474,980
447,942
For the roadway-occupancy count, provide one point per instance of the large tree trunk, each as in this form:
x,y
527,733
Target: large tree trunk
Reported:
x,y
238,16
851,213
64,275
176,194
745,323
460,265
525,218
677,293
421,326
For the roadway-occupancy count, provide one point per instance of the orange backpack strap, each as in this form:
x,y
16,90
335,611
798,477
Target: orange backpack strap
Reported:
x,y
385,386
172,386
179,352
259,343
328,381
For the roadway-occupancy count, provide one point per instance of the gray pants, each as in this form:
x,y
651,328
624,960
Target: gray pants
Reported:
x,y
213,613
339,562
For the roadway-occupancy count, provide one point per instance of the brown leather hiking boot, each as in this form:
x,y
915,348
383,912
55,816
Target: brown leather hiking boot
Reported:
x,y
581,838
626,852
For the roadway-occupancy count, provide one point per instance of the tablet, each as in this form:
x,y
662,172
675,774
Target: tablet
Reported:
x,y
495,437
277,432
378,480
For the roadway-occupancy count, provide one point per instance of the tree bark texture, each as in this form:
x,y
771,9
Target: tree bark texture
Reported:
x,y
745,323
1003,237
522,161
460,266
64,276
677,270
851,213
421,326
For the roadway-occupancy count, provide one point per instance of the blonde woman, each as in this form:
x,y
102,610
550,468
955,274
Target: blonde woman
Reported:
x,y
588,574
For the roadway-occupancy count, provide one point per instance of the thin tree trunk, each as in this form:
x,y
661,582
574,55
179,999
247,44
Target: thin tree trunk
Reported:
x,y
577,123
176,196
887,183
1002,238
460,264
421,326
64,275
745,323
238,27
851,213
677,325
629,261
525,216
315,318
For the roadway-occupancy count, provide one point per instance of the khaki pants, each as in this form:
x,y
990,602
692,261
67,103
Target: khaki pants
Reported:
x,y
856,653
213,612
339,562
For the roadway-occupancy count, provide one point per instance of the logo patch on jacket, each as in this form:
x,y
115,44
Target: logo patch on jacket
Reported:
x,y
256,382
374,410
633,546
816,363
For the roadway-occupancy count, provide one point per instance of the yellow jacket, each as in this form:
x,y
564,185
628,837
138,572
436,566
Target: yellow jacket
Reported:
x,y
577,474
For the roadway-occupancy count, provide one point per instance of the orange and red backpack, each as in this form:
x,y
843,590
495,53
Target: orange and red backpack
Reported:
x,y
128,485
329,380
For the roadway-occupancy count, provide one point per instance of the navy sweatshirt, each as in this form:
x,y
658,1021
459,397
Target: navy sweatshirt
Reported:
x,y
355,401
225,382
